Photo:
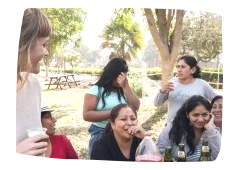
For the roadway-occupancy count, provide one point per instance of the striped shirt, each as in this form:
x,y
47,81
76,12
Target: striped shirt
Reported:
x,y
195,156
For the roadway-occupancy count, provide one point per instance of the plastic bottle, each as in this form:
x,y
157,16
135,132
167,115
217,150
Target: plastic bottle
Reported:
x,y
147,150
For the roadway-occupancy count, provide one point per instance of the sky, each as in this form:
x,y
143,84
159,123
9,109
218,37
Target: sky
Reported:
x,y
97,18
99,13
93,27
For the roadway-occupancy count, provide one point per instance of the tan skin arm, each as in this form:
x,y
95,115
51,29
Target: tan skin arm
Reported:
x,y
90,102
89,109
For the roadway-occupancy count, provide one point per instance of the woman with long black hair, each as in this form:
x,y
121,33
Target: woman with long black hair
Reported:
x,y
193,122
111,89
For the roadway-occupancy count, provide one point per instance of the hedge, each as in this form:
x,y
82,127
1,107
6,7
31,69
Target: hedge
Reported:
x,y
211,75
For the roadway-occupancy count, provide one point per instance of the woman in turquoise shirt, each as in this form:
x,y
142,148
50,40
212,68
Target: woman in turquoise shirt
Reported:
x,y
111,89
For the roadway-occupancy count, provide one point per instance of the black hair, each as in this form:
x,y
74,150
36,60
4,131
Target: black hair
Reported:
x,y
44,113
181,125
192,62
216,98
114,114
110,73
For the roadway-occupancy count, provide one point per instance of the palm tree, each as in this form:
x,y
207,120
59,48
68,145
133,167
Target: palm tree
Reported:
x,y
124,37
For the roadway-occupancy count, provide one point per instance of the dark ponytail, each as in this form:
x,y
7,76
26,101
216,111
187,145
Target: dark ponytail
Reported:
x,y
108,128
197,73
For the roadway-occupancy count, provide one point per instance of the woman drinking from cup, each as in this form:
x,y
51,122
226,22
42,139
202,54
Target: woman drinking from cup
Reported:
x,y
34,37
187,83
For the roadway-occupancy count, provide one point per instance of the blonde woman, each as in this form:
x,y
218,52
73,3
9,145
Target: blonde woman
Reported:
x,y
34,36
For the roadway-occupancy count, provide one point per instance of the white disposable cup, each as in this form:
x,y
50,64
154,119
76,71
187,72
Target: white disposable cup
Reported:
x,y
174,82
36,131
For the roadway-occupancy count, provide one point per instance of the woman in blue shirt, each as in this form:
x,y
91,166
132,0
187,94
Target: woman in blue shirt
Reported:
x,y
111,89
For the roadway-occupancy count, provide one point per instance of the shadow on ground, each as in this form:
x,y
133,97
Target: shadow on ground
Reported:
x,y
72,131
152,120
83,154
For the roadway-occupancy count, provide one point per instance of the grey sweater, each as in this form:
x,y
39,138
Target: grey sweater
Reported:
x,y
181,93
213,135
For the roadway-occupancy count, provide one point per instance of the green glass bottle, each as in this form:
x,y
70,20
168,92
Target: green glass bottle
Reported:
x,y
181,153
205,152
168,154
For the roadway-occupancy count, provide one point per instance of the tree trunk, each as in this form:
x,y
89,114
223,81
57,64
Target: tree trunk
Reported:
x,y
160,30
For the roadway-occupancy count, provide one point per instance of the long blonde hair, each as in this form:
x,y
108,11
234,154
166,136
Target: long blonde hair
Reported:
x,y
34,25
8,45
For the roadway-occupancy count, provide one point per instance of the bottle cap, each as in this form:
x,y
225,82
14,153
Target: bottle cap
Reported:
x,y
147,133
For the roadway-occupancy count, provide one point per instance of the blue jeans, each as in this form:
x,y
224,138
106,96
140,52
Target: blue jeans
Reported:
x,y
95,132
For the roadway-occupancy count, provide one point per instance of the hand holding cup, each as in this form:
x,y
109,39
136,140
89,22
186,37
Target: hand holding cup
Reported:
x,y
32,147
169,86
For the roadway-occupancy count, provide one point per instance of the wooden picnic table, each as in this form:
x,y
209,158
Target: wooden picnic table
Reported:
x,y
59,80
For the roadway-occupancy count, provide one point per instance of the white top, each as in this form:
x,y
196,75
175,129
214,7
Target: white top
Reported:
x,y
231,145
181,93
28,107
28,114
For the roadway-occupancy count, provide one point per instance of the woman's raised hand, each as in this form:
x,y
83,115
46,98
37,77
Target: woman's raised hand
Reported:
x,y
122,79
169,86
210,123
137,131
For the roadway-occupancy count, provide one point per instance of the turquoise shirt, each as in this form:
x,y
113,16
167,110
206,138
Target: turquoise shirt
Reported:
x,y
110,102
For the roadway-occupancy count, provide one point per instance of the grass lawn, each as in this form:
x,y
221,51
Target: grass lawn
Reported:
x,y
68,112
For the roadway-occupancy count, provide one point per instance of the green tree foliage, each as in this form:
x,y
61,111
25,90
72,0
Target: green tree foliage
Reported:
x,y
67,24
202,36
89,55
122,35
151,54
73,58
